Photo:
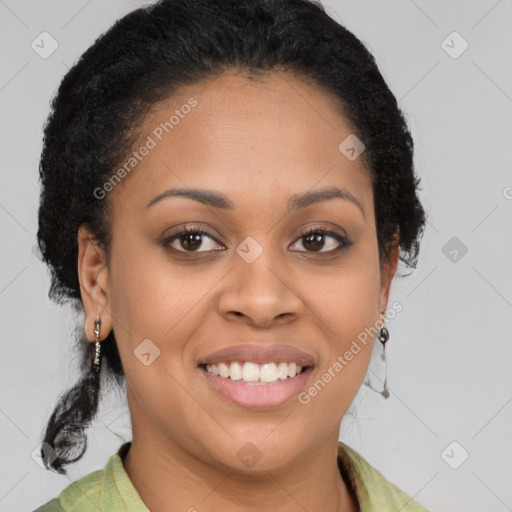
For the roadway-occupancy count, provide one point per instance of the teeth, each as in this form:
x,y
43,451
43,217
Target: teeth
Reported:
x,y
223,370
212,368
235,371
250,372
268,372
282,371
254,373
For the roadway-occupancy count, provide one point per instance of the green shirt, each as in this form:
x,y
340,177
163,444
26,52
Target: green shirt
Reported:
x,y
111,490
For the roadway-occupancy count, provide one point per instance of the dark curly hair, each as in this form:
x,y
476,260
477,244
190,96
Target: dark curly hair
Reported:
x,y
142,59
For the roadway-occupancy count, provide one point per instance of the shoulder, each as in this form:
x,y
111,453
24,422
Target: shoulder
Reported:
x,y
108,489
51,506
80,496
374,491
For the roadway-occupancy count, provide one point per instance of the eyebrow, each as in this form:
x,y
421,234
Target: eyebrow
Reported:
x,y
218,200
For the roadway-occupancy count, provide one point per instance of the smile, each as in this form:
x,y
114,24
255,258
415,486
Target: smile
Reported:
x,y
256,386
253,373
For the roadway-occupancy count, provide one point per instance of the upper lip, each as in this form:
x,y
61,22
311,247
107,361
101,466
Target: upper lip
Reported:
x,y
258,353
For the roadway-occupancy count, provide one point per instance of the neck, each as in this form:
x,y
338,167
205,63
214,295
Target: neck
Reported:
x,y
164,472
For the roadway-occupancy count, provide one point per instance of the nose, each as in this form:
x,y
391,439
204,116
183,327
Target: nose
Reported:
x,y
260,295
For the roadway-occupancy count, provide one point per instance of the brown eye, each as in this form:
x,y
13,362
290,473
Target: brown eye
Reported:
x,y
316,239
190,240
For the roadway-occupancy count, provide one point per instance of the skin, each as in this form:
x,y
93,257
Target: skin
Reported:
x,y
258,142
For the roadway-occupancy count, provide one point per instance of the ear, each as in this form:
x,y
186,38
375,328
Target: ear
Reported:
x,y
93,277
387,272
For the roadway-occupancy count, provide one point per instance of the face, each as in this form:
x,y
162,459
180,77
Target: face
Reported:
x,y
247,283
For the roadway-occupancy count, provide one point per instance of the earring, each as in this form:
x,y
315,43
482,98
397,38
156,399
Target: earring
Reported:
x,y
383,336
97,356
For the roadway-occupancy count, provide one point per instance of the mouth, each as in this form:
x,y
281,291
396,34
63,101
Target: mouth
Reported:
x,y
254,374
257,377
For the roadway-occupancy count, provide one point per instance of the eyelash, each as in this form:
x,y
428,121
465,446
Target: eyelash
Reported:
x,y
342,240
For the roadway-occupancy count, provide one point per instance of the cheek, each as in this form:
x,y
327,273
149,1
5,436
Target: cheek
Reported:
x,y
346,303
152,299
347,298
352,306
348,315
153,317
147,296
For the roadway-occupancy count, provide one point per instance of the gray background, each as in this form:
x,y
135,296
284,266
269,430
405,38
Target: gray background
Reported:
x,y
450,350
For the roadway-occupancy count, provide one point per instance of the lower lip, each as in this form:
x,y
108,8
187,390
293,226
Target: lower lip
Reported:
x,y
261,396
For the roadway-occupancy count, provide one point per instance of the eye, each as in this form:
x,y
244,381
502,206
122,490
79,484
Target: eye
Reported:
x,y
314,239
189,239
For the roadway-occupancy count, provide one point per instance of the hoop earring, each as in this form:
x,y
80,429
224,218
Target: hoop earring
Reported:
x,y
97,356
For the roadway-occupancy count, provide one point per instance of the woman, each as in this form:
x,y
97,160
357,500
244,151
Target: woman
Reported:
x,y
227,189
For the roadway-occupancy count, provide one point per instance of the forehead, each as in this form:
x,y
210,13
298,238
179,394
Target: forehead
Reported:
x,y
253,138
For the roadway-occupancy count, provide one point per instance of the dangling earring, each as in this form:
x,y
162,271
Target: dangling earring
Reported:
x,y
383,336
97,356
